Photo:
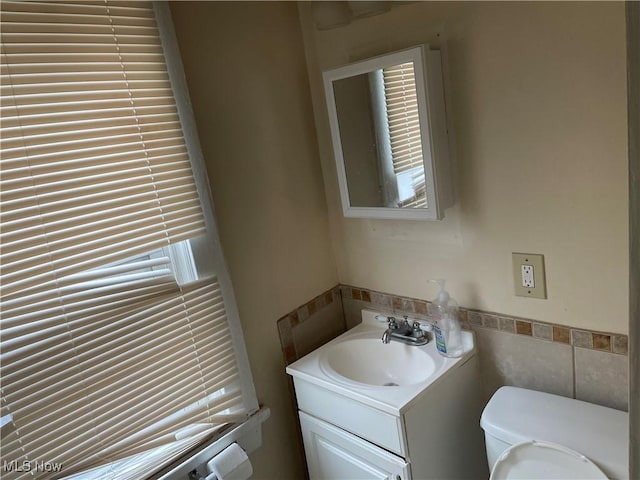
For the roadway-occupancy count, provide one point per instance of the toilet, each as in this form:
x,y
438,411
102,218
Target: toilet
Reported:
x,y
531,435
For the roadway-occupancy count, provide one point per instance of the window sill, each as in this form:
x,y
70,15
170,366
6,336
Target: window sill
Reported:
x,y
247,434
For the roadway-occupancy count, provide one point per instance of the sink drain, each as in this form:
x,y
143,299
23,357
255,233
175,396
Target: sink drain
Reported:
x,y
390,384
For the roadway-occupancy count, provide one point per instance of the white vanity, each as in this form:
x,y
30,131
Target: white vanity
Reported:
x,y
370,410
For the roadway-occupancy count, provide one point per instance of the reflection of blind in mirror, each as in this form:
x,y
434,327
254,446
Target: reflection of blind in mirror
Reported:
x,y
402,114
404,128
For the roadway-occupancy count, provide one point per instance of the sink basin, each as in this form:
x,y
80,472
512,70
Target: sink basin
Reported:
x,y
369,361
357,366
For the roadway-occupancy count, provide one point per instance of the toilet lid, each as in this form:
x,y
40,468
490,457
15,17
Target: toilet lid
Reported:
x,y
544,460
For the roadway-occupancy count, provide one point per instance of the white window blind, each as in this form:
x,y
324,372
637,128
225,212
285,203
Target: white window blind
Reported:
x,y
402,116
104,361
404,128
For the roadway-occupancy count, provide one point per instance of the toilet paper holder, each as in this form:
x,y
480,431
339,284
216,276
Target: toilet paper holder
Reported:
x,y
232,463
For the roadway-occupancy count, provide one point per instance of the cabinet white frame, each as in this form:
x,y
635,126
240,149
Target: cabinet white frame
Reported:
x,y
427,436
433,130
335,454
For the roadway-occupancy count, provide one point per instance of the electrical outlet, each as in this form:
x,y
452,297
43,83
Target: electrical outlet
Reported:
x,y
528,279
528,275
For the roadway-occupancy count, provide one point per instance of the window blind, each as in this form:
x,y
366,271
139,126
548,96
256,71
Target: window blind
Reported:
x,y
95,167
104,362
100,379
402,116
404,128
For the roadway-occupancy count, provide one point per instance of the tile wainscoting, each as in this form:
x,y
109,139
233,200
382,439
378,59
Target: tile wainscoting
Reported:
x,y
583,364
311,325
303,330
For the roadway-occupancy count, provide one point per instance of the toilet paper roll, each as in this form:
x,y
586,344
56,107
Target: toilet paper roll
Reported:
x,y
231,464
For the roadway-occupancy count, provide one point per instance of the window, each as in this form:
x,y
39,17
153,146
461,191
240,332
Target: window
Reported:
x,y
114,360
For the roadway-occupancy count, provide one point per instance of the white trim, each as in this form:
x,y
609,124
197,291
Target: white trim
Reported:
x,y
6,420
207,251
182,261
388,182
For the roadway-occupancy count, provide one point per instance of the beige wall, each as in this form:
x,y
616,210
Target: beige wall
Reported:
x,y
537,95
247,78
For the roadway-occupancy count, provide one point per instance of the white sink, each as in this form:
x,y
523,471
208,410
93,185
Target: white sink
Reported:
x,y
369,409
369,361
389,377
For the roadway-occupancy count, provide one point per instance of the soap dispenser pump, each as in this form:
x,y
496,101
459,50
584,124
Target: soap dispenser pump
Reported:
x,y
444,310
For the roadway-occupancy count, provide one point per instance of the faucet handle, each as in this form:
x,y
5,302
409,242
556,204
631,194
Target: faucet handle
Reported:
x,y
416,330
391,321
425,326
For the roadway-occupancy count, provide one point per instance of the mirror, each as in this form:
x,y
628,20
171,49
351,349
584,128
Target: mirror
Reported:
x,y
388,127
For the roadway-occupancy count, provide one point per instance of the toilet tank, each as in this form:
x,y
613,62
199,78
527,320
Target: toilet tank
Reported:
x,y
515,415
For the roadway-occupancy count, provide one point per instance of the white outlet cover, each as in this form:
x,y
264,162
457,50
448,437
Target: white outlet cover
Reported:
x,y
529,275
528,278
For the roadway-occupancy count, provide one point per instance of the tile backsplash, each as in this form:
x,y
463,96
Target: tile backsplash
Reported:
x,y
583,364
603,341
311,325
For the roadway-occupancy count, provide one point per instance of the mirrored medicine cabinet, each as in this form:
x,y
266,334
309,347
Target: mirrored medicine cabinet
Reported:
x,y
389,131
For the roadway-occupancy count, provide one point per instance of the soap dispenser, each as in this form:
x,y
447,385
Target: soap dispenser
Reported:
x,y
444,310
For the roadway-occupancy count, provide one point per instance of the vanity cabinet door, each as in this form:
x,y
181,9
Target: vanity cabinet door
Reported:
x,y
335,454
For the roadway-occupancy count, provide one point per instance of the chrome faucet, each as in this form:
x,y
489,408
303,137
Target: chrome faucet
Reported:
x,y
407,332
393,326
